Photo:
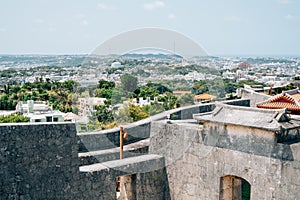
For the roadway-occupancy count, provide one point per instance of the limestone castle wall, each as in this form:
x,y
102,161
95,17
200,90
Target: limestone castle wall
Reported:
x,y
196,162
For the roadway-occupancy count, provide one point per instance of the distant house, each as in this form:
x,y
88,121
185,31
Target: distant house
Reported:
x,y
69,116
204,98
39,111
31,106
51,116
288,99
244,65
144,101
87,105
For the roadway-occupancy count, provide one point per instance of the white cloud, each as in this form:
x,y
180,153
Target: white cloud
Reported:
x,y
233,18
284,1
291,17
3,30
154,5
105,6
171,16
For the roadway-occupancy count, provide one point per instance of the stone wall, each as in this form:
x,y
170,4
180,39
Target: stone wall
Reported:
x,y
137,131
140,130
195,169
254,97
238,102
40,161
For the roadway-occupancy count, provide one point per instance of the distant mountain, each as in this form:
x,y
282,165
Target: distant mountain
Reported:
x,y
7,61
150,55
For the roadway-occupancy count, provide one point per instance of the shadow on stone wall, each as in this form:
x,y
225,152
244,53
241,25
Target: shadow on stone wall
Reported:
x,y
137,131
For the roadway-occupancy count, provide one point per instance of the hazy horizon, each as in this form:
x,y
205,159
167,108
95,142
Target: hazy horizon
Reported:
x,y
233,27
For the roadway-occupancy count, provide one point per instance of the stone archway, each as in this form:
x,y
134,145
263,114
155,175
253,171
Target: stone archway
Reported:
x,y
234,188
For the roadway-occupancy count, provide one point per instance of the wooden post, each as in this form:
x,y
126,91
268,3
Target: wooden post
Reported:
x,y
121,142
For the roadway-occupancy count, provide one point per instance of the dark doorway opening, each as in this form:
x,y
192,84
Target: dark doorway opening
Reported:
x,y
234,188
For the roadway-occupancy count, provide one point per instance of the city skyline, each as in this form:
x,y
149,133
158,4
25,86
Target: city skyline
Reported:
x,y
233,27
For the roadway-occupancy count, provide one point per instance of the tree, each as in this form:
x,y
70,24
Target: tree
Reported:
x,y
131,113
169,101
103,84
104,114
129,82
104,93
137,112
159,87
187,99
14,118
70,85
155,108
146,91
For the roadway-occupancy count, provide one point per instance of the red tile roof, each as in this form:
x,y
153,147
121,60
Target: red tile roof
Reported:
x,y
279,105
296,96
283,100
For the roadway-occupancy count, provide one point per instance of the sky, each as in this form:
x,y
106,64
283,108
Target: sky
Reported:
x,y
221,27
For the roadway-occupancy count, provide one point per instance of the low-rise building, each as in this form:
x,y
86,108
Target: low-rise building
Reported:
x,y
87,105
31,106
39,111
204,98
50,116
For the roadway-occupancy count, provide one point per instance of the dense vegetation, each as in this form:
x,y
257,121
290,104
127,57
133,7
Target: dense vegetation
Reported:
x,y
219,87
109,115
14,118
59,95
63,96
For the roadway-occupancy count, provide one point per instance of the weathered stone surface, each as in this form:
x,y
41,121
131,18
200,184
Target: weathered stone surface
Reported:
x,y
40,161
130,150
132,165
254,97
196,173
137,131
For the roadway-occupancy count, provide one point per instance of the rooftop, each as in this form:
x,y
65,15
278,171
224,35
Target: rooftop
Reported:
x,y
288,99
274,119
205,96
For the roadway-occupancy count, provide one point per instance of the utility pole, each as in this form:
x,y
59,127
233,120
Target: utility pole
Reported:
x,y
123,135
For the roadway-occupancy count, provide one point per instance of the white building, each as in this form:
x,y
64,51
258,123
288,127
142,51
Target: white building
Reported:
x,y
116,65
51,116
39,111
31,106
87,105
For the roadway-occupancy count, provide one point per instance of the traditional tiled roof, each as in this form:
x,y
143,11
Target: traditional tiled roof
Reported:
x,y
246,116
205,96
296,96
279,105
288,99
